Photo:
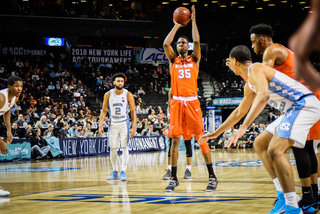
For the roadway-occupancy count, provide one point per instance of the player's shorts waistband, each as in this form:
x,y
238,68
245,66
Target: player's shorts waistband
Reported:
x,y
185,98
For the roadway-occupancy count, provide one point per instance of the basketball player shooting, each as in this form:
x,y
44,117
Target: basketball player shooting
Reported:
x,y
8,98
116,101
185,111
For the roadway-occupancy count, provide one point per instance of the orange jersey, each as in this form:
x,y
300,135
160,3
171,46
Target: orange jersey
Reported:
x,y
287,67
184,75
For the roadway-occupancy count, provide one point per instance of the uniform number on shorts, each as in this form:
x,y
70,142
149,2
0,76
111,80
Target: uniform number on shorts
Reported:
x,y
118,111
184,73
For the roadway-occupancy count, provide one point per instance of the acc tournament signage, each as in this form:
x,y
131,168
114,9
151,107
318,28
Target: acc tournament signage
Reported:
x,y
18,149
148,55
96,55
25,50
227,101
72,147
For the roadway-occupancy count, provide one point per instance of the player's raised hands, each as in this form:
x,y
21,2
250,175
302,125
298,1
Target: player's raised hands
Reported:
x,y
193,13
228,63
233,139
178,24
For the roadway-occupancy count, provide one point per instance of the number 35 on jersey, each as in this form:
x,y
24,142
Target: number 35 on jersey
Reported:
x,y
184,73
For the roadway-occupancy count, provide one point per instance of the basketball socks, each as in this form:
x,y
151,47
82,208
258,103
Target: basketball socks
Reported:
x,y
210,170
189,167
174,173
315,190
319,183
291,199
170,167
277,184
114,159
125,158
307,193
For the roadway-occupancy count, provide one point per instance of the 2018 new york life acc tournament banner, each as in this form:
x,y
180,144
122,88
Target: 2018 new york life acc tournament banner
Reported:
x,y
73,147
98,54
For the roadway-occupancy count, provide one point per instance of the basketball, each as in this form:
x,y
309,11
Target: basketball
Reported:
x,y
182,15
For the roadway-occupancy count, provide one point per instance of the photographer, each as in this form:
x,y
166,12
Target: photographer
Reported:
x,y
39,147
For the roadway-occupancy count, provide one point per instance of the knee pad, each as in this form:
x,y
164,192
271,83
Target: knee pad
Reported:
x,y
170,144
303,162
312,155
188,148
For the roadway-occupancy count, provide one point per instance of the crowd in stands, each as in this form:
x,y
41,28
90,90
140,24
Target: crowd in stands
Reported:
x,y
117,10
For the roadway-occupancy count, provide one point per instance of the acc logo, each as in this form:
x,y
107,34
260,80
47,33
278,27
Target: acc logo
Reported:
x,y
55,42
148,55
248,163
161,143
285,126
215,102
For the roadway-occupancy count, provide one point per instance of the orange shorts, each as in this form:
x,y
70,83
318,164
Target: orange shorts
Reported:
x,y
314,133
185,118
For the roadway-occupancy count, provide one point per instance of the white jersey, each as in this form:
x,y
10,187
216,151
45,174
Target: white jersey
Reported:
x,y
7,106
118,106
284,91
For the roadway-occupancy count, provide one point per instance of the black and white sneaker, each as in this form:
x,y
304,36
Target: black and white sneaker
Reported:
x,y
212,186
187,174
167,176
172,185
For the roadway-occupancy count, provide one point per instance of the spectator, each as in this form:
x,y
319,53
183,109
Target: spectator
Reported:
x,y
105,123
51,65
35,76
39,147
58,85
254,128
95,124
81,102
128,71
34,114
88,132
52,74
163,92
102,64
155,63
150,87
158,123
76,94
63,133
79,132
271,118
109,65
155,75
72,130
32,101
234,84
261,127
141,91
150,109
42,123
77,64
49,132
21,121
223,89
152,117
142,104
15,130
19,64
167,87
51,86
28,133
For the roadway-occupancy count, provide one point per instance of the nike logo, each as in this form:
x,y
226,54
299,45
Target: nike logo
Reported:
x,y
197,109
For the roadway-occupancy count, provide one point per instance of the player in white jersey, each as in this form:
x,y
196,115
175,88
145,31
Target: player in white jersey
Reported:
x,y
8,98
117,101
267,85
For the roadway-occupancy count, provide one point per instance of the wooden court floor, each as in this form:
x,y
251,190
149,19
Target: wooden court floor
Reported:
x,y
79,185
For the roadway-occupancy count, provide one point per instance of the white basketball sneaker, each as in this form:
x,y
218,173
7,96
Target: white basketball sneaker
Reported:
x,y
3,193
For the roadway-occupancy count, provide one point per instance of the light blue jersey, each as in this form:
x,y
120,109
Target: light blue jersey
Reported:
x,y
300,106
284,91
118,106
